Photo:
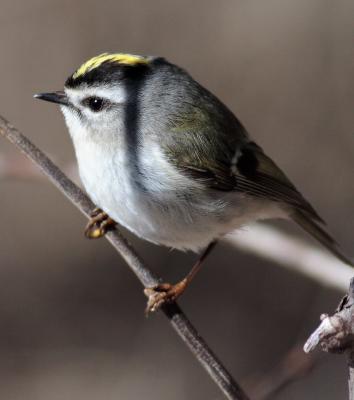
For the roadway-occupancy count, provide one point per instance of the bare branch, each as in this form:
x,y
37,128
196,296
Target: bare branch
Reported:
x,y
292,367
294,254
18,167
177,318
335,334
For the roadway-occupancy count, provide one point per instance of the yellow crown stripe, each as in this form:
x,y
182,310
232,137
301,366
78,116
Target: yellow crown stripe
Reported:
x,y
120,58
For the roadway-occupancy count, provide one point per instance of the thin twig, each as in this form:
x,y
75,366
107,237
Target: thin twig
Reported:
x,y
294,254
335,334
294,365
18,167
177,318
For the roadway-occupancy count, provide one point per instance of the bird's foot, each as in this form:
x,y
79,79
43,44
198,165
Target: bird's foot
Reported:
x,y
99,224
162,294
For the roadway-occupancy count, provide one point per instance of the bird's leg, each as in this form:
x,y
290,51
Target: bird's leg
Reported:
x,y
99,224
167,293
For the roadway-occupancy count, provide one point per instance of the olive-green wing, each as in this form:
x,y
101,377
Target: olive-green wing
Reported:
x,y
249,170
253,172
207,142
257,174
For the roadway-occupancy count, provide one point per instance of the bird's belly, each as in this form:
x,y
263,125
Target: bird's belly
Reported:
x,y
164,209
115,194
169,222
162,218
161,221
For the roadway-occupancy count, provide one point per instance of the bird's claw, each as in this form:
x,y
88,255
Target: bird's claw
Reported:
x,y
99,224
162,294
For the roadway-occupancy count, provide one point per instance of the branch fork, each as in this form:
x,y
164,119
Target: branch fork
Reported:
x,y
335,334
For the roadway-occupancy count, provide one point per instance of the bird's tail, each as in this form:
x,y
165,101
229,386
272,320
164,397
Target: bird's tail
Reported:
x,y
313,228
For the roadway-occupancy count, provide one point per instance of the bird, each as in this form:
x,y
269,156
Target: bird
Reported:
x,y
159,154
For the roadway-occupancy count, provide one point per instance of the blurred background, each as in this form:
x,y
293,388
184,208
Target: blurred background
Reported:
x,y
71,312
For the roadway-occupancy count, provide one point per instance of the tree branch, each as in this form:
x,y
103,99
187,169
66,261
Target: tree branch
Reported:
x,y
177,318
335,334
294,365
17,167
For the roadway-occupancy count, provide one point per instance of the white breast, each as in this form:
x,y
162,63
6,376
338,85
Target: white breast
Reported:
x,y
159,214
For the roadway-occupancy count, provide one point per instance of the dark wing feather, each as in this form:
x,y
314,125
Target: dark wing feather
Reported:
x,y
254,173
266,178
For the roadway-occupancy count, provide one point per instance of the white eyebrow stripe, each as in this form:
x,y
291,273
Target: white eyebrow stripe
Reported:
x,y
115,94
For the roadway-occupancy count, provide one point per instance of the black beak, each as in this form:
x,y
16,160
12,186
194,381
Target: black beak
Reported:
x,y
55,97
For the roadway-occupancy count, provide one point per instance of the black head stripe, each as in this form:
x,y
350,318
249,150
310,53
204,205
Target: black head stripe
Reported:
x,y
108,72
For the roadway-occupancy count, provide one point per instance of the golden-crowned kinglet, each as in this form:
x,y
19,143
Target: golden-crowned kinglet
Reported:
x,y
165,158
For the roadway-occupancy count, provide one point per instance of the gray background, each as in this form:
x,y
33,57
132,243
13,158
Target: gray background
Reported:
x,y
71,313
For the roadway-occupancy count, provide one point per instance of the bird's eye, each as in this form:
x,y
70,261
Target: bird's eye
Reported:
x,y
95,104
